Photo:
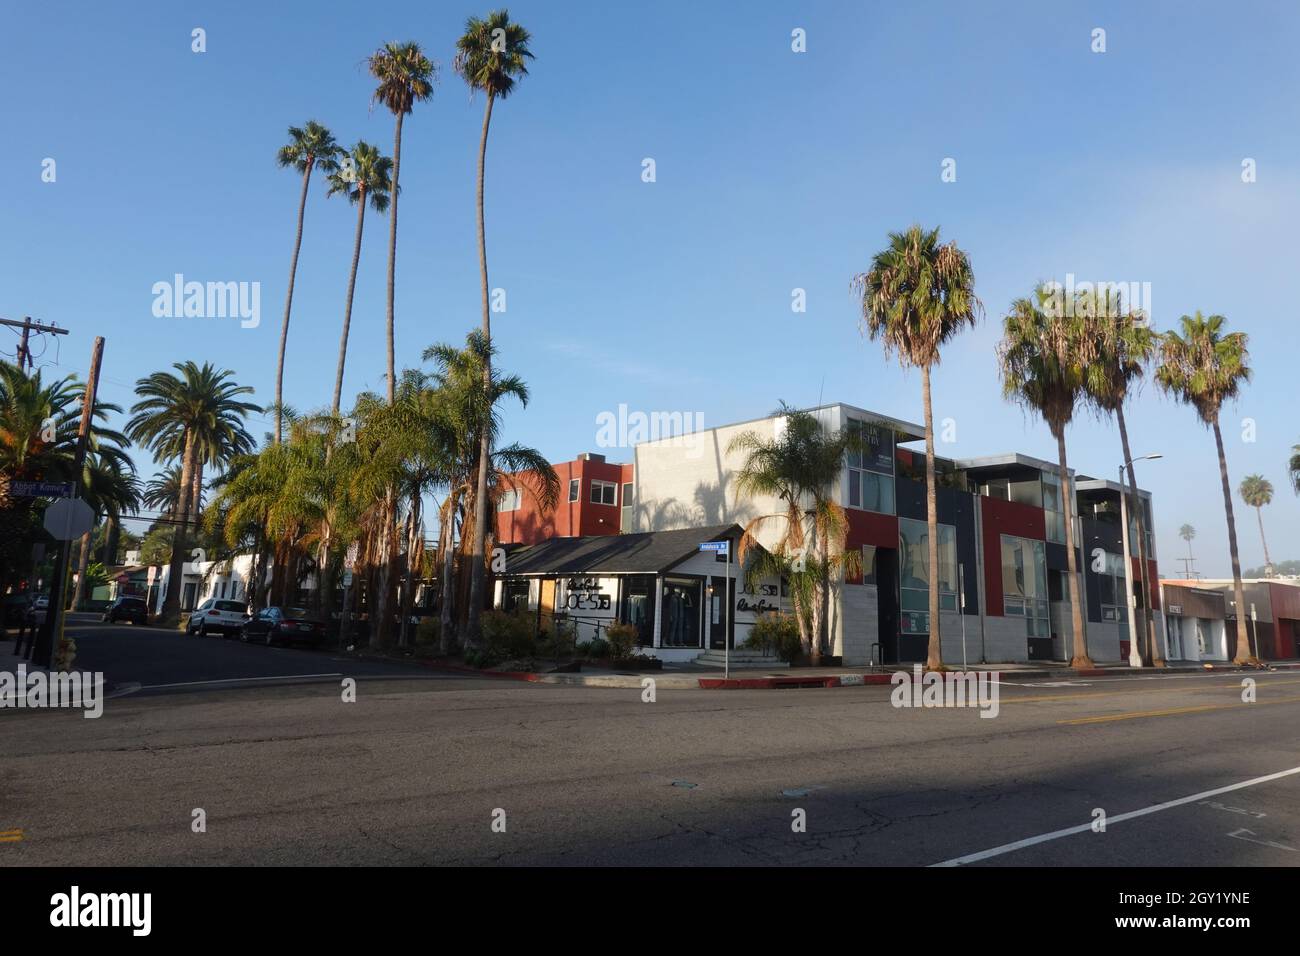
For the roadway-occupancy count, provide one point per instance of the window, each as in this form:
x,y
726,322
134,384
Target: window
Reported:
x,y
604,492
1114,591
1052,506
868,564
575,487
1024,583
871,470
625,516
914,573
509,500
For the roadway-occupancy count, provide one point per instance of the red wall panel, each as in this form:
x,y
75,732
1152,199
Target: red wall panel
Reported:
x,y
1005,517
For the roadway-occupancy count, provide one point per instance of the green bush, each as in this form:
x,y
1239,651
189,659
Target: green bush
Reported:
x,y
594,649
776,633
507,635
622,638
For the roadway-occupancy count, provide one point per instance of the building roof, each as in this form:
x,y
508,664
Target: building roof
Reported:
x,y
648,552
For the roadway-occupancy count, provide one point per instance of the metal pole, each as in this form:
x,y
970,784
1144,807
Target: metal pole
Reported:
x,y
726,634
1134,652
961,610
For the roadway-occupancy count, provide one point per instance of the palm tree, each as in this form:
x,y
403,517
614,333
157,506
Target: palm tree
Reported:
x,y
162,492
1187,533
1204,367
110,487
1257,491
492,55
311,146
1293,468
1042,370
370,179
406,77
917,295
800,469
184,416
1117,345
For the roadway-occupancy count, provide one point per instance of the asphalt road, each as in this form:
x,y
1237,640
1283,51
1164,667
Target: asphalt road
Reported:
x,y
416,771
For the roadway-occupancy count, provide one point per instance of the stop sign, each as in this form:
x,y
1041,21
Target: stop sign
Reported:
x,y
68,519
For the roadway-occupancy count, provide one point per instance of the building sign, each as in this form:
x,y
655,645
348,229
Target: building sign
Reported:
x,y
584,594
877,453
762,604
1176,609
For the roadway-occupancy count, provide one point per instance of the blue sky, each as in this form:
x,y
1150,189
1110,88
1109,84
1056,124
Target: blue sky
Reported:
x,y
775,171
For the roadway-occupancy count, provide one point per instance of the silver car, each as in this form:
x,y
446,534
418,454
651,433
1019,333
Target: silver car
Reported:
x,y
215,616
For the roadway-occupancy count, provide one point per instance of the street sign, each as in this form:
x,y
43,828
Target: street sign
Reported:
x,y
68,519
40,489
347,579
719,547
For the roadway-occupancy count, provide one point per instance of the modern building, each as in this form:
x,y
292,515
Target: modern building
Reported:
x,y
1272,614
593,500
1195,622
1002,576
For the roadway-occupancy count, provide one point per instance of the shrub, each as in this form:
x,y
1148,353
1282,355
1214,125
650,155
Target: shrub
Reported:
x,y
596,648
622,638
775,632
507,635
428,630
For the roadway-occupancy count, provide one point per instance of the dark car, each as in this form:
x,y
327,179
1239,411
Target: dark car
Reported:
x,y
127,609
283,625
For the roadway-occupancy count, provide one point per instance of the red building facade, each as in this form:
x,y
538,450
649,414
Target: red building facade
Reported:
x,y
593,496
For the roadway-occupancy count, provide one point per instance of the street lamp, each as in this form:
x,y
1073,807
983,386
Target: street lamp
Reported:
x,y
1134,654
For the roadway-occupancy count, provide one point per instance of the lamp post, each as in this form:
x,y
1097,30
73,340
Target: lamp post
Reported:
x,y
1134,652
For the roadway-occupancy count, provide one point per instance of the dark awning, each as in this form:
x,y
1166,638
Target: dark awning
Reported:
x,y
649,552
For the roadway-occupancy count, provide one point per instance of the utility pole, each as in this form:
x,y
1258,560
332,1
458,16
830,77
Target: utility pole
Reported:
x,y
28,327
43,651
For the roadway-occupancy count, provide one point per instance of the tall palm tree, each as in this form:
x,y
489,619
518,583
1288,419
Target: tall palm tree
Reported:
x,y
1204,367
1187,533
1117,346
406,77
310,147
491,56
370,179
466,414
800,469
1293,468
162,492
1257,491
917,295
1041,369
180,416
110,488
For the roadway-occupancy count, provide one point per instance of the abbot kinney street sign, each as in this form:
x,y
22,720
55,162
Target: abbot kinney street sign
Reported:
x,y
718,547
40,489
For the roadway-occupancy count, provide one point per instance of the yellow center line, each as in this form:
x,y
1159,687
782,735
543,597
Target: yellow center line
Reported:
x,y
11,836
1173,711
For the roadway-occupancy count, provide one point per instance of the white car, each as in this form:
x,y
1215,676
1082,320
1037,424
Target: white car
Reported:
x,y
216,616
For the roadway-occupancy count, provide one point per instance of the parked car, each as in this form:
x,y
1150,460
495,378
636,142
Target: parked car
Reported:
x,y
131,609
216,616
42,602
285,625
18,609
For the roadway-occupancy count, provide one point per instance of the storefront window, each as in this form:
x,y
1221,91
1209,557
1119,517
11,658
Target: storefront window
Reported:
x,y
914,573
1114,590
681,624
1024,583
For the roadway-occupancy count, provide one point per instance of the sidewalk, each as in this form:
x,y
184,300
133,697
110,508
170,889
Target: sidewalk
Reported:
x,y
691,676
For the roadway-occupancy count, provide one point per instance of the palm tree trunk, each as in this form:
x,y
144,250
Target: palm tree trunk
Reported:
x,y
347,311
1080,658
83,562
477,569
824,575
112,535
412,571
934,652
392,255
447,531
1244,653
381,609
1149,646
1268,562
288,301
196,496
171,608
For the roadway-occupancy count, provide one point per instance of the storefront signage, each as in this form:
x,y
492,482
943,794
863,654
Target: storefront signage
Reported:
x,y
584,594
1176,609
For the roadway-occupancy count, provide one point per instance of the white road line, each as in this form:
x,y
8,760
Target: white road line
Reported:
x,y
235,680
1119,818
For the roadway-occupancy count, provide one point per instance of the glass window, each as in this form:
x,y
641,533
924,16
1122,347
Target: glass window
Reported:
x,y
509,500
1052,505
914,574
575,486
604,493
1024,583
868,564
871,469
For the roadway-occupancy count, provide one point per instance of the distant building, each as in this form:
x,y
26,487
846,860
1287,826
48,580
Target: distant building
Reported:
x,y
1272,614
